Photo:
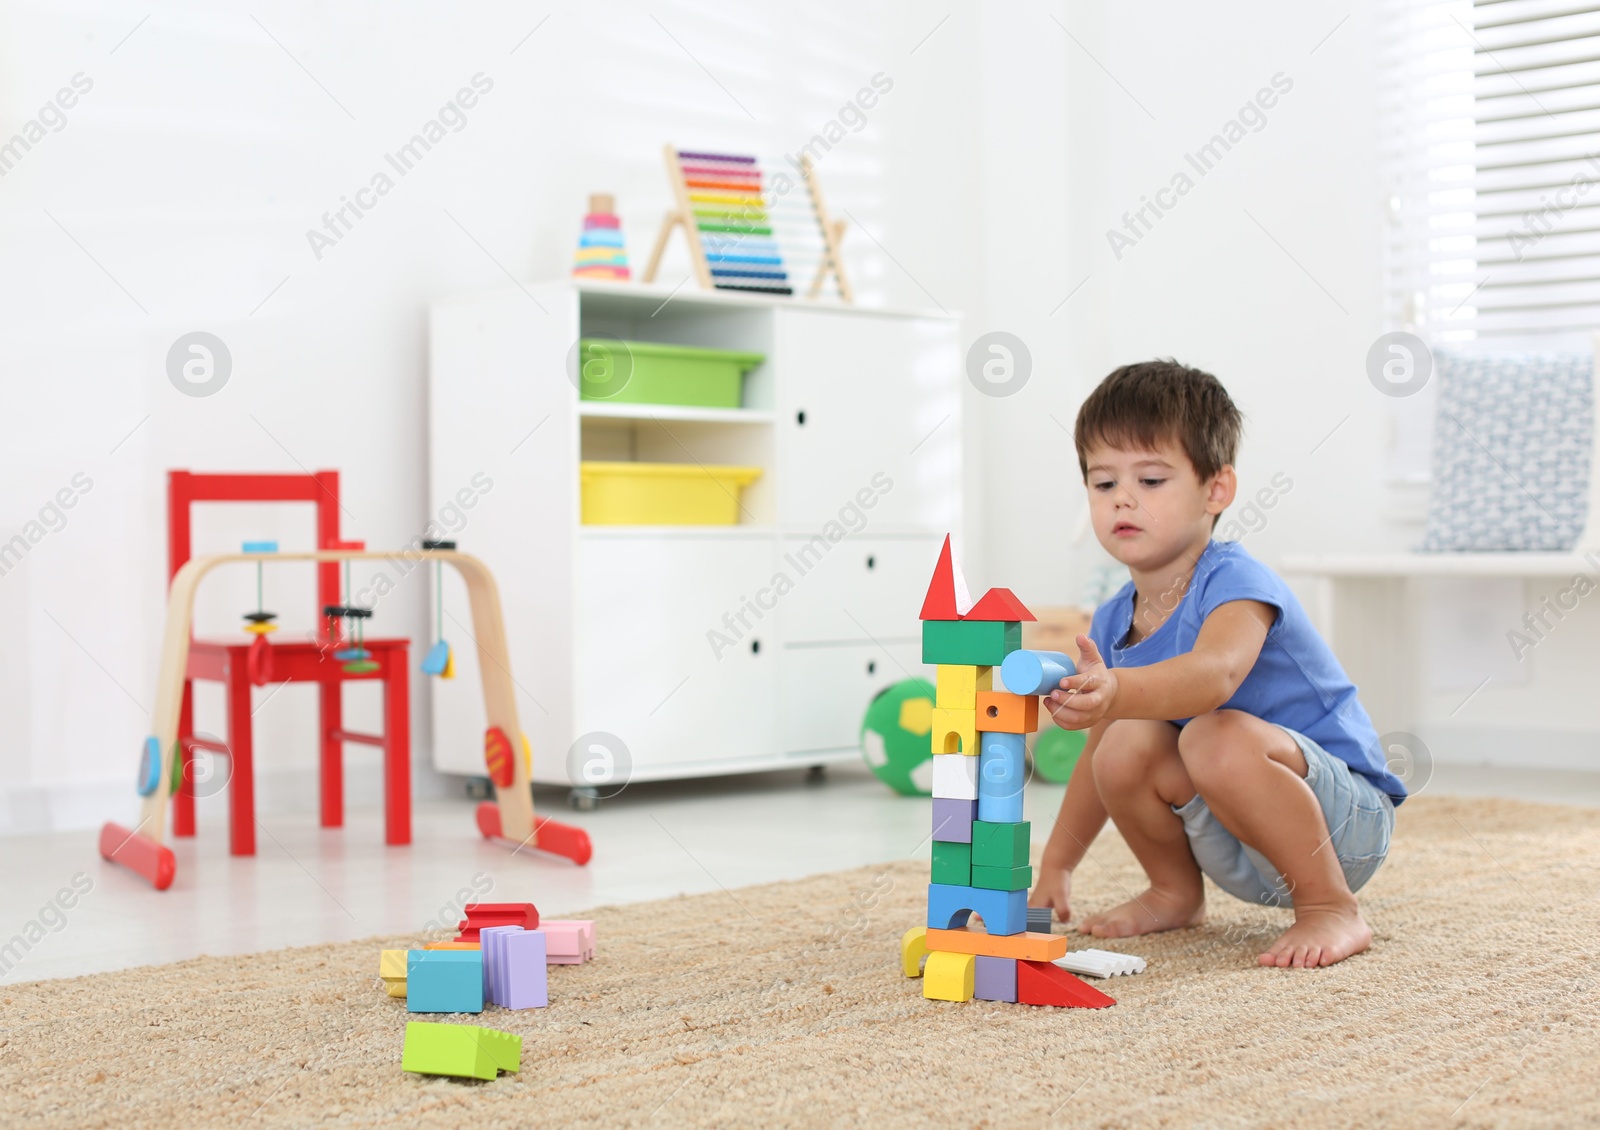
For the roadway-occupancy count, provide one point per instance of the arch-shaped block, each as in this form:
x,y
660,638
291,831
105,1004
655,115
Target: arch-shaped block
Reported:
x,y
913,949
955,731
950,976
1003,912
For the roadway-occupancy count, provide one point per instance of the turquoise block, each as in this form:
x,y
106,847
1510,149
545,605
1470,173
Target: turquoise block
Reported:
x,y
1002,772
444,981
949,907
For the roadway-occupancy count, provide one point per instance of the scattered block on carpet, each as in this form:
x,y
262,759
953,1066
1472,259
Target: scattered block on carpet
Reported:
x,y
1101,963
1043,982
949,976
464,1051
494,960
481,914
568,941
444,981
524,980
392,968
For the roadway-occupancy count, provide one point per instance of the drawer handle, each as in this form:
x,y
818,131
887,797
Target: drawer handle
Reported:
x,y
872,562
872,666
755,647
800,417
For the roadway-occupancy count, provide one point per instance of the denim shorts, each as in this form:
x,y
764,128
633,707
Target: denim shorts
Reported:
x,y
1359,814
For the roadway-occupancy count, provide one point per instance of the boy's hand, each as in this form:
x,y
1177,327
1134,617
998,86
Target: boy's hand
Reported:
x,y
1054,889
1084,699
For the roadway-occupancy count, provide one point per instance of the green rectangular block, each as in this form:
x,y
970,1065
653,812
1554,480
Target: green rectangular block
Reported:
x,y
504,1048
446,1049
980,643
1002,878
952,863
1000,845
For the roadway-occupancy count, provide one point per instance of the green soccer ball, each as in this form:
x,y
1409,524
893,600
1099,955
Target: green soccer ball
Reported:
x,y
1056,753
895,737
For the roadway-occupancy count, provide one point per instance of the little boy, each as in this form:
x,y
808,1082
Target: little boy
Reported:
x,y
1224,737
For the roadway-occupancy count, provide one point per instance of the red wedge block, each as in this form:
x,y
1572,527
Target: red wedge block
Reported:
x,y
1043,982
999,604
482,915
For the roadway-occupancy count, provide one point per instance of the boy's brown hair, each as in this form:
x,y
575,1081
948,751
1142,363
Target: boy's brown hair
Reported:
x,y
1141,405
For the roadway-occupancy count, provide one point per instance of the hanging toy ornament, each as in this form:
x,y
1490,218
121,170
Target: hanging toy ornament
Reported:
x,y
258,660
355,657
440,660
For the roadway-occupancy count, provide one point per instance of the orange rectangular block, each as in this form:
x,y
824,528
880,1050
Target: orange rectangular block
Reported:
x,y
451,945
1025,947
999,712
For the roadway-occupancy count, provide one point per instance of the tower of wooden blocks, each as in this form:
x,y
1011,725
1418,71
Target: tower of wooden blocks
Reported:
x,y
981,719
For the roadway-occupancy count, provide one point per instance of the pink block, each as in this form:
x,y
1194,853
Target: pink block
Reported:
x,y
569,941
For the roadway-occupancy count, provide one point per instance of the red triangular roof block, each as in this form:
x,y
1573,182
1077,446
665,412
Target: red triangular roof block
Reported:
x,y
1044,982
999,604
947,592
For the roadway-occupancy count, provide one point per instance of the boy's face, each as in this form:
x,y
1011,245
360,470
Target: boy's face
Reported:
x,y
1148,506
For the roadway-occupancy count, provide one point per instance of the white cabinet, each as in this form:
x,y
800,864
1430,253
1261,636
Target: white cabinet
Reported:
x,y
705,649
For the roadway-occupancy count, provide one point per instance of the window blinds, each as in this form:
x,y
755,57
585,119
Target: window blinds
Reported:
x,y
1492,156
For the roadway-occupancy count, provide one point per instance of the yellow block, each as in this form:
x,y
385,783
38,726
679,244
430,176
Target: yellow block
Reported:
x,y
392,963
913,948
951,725
949,976
958,685
397,988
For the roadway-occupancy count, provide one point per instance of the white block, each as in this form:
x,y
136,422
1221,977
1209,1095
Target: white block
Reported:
x,y
1101,963
955,776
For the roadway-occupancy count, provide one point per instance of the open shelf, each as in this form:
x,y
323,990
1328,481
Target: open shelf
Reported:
x,y
598,410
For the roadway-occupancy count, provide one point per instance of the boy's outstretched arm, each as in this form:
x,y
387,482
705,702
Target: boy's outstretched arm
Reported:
x,y
1185,686
1075,827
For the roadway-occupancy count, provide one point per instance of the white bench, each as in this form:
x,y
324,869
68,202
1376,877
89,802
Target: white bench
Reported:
x,y
1362,608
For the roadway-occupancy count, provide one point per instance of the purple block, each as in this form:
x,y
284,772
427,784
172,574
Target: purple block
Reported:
x,y
952,820
492,939
525,979
995,979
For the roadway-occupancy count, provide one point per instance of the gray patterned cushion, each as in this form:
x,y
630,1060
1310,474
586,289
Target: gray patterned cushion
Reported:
x,y
1512,442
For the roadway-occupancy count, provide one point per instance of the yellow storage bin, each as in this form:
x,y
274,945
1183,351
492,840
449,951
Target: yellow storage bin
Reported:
x,y
662,494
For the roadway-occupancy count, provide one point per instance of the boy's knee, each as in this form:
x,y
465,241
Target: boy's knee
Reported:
x,y
1127,752
1215,746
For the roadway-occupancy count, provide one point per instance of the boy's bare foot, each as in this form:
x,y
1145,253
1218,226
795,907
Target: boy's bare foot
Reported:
x,y
1149,913
1321,935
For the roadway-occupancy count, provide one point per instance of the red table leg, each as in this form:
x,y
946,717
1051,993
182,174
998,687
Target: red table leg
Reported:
x,y
332,695
241,782
183,802
397,747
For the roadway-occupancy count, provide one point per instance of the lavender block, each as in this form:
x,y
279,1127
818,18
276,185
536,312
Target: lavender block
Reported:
x,y
995,979
952,820
525,979
492,938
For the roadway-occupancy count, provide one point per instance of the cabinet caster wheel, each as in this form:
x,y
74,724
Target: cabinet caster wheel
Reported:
x,y
584,800
816,775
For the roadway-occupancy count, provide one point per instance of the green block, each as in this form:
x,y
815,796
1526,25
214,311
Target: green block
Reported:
x,y
446,1049
504,1048
980,643
1000,845
1003,878
952,863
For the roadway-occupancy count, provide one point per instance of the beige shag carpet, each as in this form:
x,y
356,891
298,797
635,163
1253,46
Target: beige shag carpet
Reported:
x,y
782,1005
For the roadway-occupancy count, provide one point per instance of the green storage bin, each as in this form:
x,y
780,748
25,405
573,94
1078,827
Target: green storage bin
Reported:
x,y
647,372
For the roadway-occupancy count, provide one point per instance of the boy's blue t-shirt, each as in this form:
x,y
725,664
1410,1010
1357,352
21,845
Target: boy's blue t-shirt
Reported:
x,y
1296,681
